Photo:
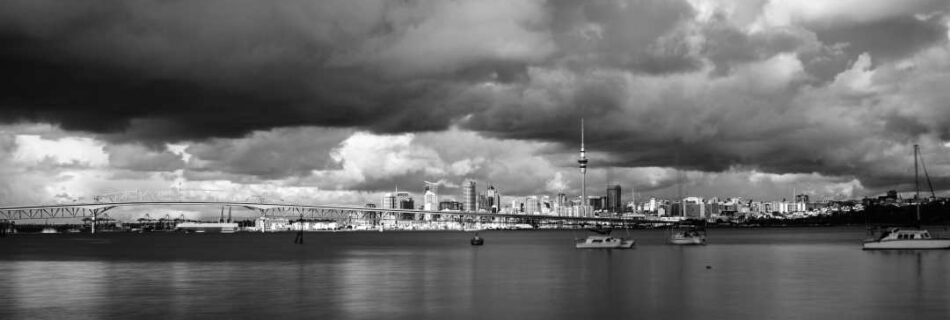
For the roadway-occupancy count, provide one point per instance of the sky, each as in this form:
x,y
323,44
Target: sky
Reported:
x,y
339,101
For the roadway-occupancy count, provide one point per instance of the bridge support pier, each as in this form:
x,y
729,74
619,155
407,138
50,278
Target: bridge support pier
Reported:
x,y
95,216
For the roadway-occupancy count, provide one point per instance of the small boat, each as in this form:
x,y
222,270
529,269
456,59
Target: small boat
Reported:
x,y
603,242
477,241
49,230
896,238
688,237
691,236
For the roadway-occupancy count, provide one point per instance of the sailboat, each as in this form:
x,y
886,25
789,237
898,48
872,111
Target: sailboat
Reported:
x,y
897,238
692,235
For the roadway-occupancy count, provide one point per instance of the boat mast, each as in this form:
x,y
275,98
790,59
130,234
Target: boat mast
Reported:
x,y
917,183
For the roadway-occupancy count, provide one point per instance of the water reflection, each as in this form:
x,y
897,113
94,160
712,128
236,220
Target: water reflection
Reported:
x,y
532,275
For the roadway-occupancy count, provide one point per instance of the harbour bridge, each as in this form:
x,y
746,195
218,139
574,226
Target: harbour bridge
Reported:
x,y
99,205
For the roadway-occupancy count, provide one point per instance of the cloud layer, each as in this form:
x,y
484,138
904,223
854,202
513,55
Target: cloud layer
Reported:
x,y
363,96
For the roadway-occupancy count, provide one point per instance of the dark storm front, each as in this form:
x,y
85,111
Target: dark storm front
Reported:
x,y
746,274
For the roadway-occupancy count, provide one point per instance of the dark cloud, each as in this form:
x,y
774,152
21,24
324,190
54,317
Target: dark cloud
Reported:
x,y
641,36
139,158
658,85
169,71
271,154
887,39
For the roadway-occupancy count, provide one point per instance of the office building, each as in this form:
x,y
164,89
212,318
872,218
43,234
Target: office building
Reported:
x,y
469,199
614,201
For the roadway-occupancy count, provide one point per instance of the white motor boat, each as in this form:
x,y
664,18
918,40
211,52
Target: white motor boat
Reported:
x,y
896,238
603,242
688,237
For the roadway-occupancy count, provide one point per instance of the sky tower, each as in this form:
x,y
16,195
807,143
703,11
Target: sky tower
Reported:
x,y
582,161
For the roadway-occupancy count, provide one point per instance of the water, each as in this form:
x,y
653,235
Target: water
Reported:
x,y
796,273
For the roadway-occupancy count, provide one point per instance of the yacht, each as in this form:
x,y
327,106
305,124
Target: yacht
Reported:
x,y
897,238
603,242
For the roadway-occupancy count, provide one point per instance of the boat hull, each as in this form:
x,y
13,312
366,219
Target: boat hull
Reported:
x,y
626,244
214,227
908,244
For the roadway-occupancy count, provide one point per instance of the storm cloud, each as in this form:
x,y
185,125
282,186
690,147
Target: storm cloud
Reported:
x,y
260,92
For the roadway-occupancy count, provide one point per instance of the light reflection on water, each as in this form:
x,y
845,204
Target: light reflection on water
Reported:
x,y
751,274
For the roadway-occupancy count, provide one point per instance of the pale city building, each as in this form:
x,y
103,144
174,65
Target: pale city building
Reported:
x,y
532,206
469,198
430,201
388,201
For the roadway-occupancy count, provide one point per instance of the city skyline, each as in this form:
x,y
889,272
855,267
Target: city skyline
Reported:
x,y
334,103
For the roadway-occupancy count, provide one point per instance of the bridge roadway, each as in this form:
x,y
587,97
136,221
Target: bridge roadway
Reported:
x,y
273,210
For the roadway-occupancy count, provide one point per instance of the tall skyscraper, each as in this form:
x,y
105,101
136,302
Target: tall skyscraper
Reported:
x,y
582,162
469,200
614,203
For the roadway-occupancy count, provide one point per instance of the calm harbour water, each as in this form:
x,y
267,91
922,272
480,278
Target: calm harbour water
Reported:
x,y
795,273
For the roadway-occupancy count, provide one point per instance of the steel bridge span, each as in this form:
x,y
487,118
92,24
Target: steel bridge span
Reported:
x,y
274,210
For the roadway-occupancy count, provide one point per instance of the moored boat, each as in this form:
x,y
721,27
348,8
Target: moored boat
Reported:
x,y
688,237
603,242
477,241
896,238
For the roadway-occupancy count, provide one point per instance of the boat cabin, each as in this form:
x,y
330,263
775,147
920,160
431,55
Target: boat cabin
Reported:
x,y
898,234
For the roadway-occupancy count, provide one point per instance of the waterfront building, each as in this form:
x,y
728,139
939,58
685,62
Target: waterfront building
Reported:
x,y
595,202
517,206
450,205
265,224
389,201
492,199
694,208
469,200
430,201
614,202
532,206
547,206
404,200
481,201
